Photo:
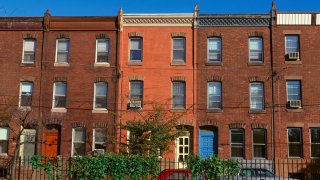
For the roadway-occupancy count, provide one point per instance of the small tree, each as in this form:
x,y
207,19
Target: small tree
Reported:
x,y
152,132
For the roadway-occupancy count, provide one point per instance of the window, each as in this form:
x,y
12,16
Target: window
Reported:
x,y
59,95
99,140
259,143
295,142
29,49
102,51
28,143
182,148
237,143
179,95
136,49
4,140
78,141
293,93
214,50
256,96
315,142
214,95
179,49
100,95
62,55
136,94
26,89
292,43
255,50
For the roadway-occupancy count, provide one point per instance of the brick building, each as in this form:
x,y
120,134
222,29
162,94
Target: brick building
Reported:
x,y
247,83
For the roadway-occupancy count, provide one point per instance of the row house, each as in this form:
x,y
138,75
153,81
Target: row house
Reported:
x,y
246,83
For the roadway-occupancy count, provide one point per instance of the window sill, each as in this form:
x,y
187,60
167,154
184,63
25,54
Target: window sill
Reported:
x,y
62,110
133,63
28,64
213,63
178,63
255,64
100,111
293,62
24,108
61,65
257,112
214,111
295,110
178,110
101,65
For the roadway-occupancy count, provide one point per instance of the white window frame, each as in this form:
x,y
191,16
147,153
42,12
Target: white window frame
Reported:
x,y
262,48
285,42
259,144
287,89
185,95
185,50
216,50
57,44
313,157
20,93
250,93
7,139
94,95
54,93
178,145
220,95
242,144
141,40
72,143
108,51
34,51
301,143
94,138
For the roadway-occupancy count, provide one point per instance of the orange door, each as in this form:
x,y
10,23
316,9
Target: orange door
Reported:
x,y
51,143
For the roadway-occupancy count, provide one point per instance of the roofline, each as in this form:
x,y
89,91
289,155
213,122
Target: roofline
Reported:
x,y
161,15
236,15
297,12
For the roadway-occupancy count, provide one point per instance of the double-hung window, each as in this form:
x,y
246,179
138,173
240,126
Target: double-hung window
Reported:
x,y
4,140
292,43
214,50
295,142
214,95
178,95
255,50
100,95
99,140
135,49
136,94
78,141
29,50
237,143
259,143
315,142
179,50
26,91
182,148
62,54
59,95
102,51
294,94
256,96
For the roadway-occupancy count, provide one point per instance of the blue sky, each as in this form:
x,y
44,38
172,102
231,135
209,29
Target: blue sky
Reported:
x,y
110,7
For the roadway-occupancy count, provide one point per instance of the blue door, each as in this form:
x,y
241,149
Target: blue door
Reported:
x,y
207,143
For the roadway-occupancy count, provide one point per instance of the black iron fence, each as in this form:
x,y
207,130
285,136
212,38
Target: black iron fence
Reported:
x,y
302,169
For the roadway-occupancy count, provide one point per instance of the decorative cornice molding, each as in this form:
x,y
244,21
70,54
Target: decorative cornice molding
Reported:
x,y
158,20
234,20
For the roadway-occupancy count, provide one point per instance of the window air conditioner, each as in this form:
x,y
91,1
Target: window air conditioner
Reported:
x,y
295,103
293,56
135,104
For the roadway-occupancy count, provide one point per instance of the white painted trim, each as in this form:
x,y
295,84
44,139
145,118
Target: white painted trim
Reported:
x,y
159,15
108,51
220,42
53,94
23,47
56,57
293,19
318,19
20,91
94,97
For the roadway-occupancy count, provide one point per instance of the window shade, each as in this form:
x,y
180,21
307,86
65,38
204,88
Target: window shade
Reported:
x,y
29,45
